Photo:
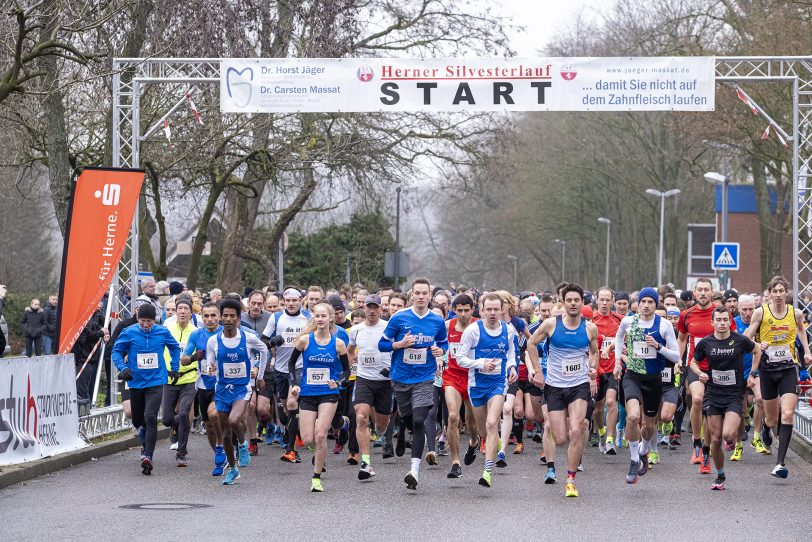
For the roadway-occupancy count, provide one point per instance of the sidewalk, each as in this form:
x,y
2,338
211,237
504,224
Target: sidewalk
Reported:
x,y
13,474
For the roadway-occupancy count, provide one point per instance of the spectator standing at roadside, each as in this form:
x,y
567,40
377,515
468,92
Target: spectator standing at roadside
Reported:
x,y
48,345
33,323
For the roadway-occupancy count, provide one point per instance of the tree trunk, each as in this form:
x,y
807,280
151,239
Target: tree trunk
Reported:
x,y
53,109
242,211
203,232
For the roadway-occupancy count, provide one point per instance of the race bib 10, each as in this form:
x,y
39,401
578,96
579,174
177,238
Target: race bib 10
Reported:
x,y
643,350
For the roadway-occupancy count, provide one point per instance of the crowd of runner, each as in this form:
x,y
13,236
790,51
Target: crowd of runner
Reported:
x,y
417,369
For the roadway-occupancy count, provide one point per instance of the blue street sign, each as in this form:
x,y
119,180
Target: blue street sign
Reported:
x,y
726,256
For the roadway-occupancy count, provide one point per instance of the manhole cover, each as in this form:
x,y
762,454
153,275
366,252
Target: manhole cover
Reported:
x,y
164,506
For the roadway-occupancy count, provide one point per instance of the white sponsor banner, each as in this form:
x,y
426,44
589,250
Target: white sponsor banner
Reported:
x,y
38,412
289,85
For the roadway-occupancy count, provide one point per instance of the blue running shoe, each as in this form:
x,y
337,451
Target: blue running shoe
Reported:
x,y
501,460
233,474
550,478
218,470
270,433
244,458
279,437
219,456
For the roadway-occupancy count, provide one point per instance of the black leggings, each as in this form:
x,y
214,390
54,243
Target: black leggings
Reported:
x,y
417,424
145,403
432,418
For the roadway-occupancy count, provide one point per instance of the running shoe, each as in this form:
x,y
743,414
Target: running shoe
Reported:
x,y
470,454
243,456
219,456
400,441
173,446
705,467
352,459
719,483
388,450
610,448
602,444
549,478
411,480
594,440
634,467
519,449
218,470
512,440
569,489
232,476
180,460
542,459
501,460
442,449
173,438
737,452
339,448
202,429
653,458
485,480
745,433
270,435
290,457
315,485
538,435
759,446
279,437
365,472
580,467
456,471
253,449
380,442
676,439
431,458
696,457
643,464
299,442
766,437
146,465
621,438
780,471
195,425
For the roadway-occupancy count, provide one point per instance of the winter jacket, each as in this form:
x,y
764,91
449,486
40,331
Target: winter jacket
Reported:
x,y
150,345
50,318
34,323
88,338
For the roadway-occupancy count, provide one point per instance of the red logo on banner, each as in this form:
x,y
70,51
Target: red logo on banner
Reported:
x,y
568,73
101,211
365,74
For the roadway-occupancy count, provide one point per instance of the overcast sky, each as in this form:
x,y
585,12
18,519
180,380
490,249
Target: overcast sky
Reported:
x,y
545,18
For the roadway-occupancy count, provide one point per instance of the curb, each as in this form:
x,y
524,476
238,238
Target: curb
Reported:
x,y
802,448
14,474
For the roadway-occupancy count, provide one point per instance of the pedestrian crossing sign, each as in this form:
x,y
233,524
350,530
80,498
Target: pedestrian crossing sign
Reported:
x,y
726,256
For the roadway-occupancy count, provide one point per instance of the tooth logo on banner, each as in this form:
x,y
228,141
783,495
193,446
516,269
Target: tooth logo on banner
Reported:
x,y
239,85
568,73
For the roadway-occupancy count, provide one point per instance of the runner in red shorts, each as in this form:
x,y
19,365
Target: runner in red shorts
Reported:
x,y
455,387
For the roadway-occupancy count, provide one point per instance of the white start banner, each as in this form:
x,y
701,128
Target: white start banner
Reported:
x,y
319,85
38,410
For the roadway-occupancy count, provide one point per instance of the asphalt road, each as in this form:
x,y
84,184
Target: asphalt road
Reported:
x,y
272,499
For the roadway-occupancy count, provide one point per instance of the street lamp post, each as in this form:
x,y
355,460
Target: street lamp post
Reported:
x,y
608,223
515,272
662,196
397,239
563,255
724,180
